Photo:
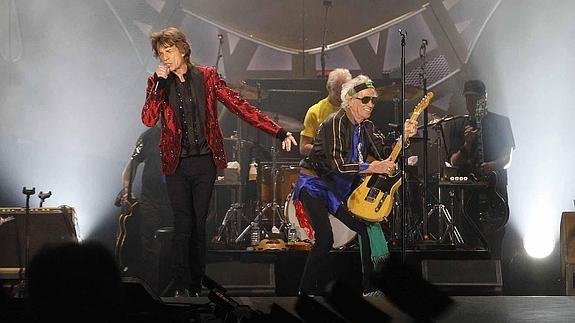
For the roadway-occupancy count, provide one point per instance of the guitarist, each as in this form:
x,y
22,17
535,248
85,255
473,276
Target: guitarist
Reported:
x,y
481,145
153,211
339,156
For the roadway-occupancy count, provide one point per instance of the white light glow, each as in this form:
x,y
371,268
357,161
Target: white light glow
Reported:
x,y
539,245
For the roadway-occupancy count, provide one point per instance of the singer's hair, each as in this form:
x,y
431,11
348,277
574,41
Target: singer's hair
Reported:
x,y
339,74
171,37
345,97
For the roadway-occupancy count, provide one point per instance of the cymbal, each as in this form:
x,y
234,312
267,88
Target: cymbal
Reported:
x,y
389,92
249,92
288,123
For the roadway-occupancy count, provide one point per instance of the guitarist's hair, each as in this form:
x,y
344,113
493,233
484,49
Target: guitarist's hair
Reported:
x,y
347,88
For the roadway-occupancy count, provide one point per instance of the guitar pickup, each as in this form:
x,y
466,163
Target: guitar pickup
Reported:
x,y
372,195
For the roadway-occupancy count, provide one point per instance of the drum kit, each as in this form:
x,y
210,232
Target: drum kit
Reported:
x,y
275,216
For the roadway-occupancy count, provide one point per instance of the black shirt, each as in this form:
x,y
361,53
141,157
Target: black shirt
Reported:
x,y
147,151
191,115
497,141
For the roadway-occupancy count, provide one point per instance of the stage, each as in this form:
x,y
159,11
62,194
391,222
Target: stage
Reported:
x,y
464,309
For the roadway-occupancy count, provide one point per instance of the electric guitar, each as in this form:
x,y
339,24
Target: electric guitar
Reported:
x,y
372,200
127,206
487,206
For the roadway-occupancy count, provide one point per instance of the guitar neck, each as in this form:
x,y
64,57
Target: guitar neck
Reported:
x,y
480,154
422,105
397,147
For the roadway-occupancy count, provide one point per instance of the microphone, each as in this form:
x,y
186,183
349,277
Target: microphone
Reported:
x,y
160,84
220,37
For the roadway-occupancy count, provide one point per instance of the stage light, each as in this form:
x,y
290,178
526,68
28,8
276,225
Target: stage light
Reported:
x,y
539,244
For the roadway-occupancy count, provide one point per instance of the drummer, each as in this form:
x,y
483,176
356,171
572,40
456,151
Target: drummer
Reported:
x,y
323,108
339,154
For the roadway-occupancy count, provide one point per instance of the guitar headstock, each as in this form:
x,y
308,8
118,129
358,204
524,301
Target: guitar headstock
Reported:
x,y
480,109
423,104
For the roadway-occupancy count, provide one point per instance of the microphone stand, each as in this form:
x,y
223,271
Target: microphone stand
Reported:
x,y
43,196
327,5
423,78
28,193
403,34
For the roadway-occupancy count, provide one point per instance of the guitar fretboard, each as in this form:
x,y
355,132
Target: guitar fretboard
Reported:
x,y
416,112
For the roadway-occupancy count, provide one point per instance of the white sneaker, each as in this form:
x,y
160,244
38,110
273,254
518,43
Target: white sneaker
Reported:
x,y
373,293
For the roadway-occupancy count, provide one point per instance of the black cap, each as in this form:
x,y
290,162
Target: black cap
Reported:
x,y
474,87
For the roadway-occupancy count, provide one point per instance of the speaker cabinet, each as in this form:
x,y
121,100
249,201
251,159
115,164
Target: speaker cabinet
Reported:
x,y
567,237
464,277
44,225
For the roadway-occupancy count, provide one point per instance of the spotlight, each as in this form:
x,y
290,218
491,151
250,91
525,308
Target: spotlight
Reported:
x,y
538,245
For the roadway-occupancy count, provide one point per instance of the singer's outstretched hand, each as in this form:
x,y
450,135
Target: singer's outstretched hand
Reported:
x,y
288,141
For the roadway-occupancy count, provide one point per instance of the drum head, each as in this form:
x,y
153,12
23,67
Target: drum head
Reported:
x,y
342,235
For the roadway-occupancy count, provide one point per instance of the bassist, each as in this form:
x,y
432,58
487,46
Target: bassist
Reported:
x,y
480,147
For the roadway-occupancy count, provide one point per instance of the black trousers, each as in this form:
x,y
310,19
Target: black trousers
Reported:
x,y
190,190
316,268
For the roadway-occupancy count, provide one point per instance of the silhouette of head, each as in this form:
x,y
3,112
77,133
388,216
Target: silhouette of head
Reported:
x,y
74,281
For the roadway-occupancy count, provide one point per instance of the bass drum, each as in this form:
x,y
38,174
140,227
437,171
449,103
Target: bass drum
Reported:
x,y
342,235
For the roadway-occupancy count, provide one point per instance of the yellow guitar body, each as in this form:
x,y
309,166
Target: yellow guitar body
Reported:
x,y
372,204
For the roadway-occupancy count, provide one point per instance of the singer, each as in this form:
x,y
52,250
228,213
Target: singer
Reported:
x,y
184,96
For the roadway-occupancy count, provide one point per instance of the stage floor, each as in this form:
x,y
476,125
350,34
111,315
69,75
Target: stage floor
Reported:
x,y
465,308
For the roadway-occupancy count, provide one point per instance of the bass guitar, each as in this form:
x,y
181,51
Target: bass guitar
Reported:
x,y
487,207
372,200
125,224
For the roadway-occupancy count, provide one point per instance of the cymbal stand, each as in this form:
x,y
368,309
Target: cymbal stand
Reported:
x,y
235,213
446,221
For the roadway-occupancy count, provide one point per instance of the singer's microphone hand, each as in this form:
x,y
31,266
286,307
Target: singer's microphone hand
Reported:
x,y
163,71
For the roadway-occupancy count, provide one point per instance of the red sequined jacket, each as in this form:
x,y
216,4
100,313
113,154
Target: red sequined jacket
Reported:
x,y
213,89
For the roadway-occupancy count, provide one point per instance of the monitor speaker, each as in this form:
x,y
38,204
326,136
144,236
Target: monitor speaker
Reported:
x,y
464,277
44,226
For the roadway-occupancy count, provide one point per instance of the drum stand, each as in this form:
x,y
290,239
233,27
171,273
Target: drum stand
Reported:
x,y
277,210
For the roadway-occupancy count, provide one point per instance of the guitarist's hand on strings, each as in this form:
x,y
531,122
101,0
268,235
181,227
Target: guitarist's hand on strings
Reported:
x,y
410,127
387,167
469,136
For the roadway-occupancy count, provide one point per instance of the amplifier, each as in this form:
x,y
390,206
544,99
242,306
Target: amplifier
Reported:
x,y
45,226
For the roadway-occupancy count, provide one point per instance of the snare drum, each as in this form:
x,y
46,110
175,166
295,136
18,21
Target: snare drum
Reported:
x,y
342,235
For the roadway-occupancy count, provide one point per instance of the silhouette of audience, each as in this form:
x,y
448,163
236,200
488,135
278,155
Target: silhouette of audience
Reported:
x,y
74,282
